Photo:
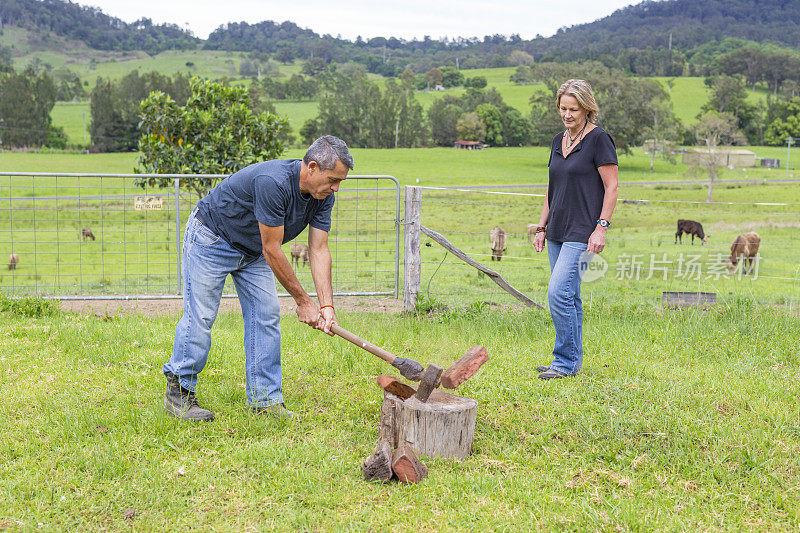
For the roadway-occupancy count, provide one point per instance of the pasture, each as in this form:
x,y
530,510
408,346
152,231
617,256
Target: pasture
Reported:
x,y
136,253
682,420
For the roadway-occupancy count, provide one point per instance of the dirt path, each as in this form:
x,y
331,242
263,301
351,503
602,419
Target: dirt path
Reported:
x,y
360,304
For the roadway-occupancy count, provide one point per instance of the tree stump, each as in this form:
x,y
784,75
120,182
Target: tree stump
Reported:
x,y
444,426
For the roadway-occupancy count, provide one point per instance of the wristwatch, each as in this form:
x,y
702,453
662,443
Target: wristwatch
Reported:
x,y
603,222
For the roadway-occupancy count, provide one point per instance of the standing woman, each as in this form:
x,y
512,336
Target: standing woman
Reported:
x,y
576,214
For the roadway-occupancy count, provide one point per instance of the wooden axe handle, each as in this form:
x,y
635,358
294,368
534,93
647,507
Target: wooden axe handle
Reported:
x,y
361,343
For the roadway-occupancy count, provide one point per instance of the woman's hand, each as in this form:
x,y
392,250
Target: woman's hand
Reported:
x,y
597,240
538,241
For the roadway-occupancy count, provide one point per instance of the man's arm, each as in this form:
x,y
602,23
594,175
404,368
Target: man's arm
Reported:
x,y
271,239
320,257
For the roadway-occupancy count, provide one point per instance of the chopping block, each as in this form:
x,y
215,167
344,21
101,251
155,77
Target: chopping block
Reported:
x,y
444,426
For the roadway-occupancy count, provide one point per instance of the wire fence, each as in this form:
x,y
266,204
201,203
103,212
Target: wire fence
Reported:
x,y
102,236
641,259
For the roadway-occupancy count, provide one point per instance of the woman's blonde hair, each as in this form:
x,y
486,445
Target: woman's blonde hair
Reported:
x,y
582,92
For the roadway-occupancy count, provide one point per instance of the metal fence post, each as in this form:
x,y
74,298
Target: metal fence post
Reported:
x,y
412,258
178,247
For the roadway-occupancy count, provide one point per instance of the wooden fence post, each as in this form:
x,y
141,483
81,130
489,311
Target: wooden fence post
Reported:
x,y
412,259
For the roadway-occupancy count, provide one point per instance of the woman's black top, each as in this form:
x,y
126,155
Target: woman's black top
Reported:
x,y
576,190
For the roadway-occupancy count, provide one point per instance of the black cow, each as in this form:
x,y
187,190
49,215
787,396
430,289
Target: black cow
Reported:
x,y
690,227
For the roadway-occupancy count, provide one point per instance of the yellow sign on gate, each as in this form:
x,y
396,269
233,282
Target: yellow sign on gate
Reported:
x,y
148,203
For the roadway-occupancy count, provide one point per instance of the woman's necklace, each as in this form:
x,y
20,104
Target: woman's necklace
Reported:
x,y
570,140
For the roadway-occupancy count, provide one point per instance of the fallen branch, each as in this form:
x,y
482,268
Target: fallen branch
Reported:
x,y
496,277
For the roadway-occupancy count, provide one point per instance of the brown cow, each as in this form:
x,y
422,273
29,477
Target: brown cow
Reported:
x,y
86,233
298,251
690,227
744,248
498,240
13,259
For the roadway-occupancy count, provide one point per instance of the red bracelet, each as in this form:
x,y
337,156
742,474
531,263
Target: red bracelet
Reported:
x,y
324,306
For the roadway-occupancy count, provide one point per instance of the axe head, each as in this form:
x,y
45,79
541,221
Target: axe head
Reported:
x,y
430,380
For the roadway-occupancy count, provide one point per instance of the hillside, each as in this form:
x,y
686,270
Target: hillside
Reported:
x,y
690,23
93,27
639,33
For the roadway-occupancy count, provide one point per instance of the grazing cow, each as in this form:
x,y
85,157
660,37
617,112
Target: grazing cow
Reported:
x,y
298,251
690,227
86,233
498,240
744,248
13,259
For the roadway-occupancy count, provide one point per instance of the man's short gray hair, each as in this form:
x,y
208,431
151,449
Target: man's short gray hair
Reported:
x,y
326,150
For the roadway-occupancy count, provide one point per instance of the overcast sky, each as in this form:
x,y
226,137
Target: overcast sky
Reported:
x,y
349,18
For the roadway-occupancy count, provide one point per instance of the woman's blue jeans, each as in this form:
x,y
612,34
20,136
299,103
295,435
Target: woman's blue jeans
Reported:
x,y
207,261
568,263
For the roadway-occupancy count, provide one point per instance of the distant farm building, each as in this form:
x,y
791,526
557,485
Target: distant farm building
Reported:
x,y
729,157
468,145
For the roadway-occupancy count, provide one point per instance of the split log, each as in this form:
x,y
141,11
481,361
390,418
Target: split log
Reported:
x,y
444,426
378,466
407,467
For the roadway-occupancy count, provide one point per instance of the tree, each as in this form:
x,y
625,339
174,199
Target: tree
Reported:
x,y
314,67
714,130
786,122
748,61
729,95
452,77
364,115
470,128
663,132
493,123
114,107
214,133
478,82
26,100
517,129
69,86
781,66
433,77
522,76
519,57
6,61
408,79
443,116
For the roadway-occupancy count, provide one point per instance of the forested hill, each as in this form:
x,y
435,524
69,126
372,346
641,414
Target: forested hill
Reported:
x,y
690,22
92,26
640,27
634,38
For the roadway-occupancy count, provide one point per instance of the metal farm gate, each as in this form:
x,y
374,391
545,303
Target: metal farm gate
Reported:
x,y
99,236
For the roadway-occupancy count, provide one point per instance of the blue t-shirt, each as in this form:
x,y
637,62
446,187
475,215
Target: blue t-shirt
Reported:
x,y
266,192
575,192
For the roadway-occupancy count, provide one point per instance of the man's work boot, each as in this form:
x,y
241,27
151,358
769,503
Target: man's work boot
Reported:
x,y
182,403
277,410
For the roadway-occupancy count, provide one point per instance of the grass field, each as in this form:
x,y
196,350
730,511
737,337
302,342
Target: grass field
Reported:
x,y
679,421
687,94
431,166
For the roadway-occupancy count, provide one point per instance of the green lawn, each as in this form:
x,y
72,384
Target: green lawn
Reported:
x,y
679,421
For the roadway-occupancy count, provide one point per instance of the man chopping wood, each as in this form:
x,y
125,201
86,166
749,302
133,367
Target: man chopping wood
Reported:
x,y
238,229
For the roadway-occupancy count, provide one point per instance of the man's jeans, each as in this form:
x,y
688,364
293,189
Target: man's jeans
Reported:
x,y
207,260
568,263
